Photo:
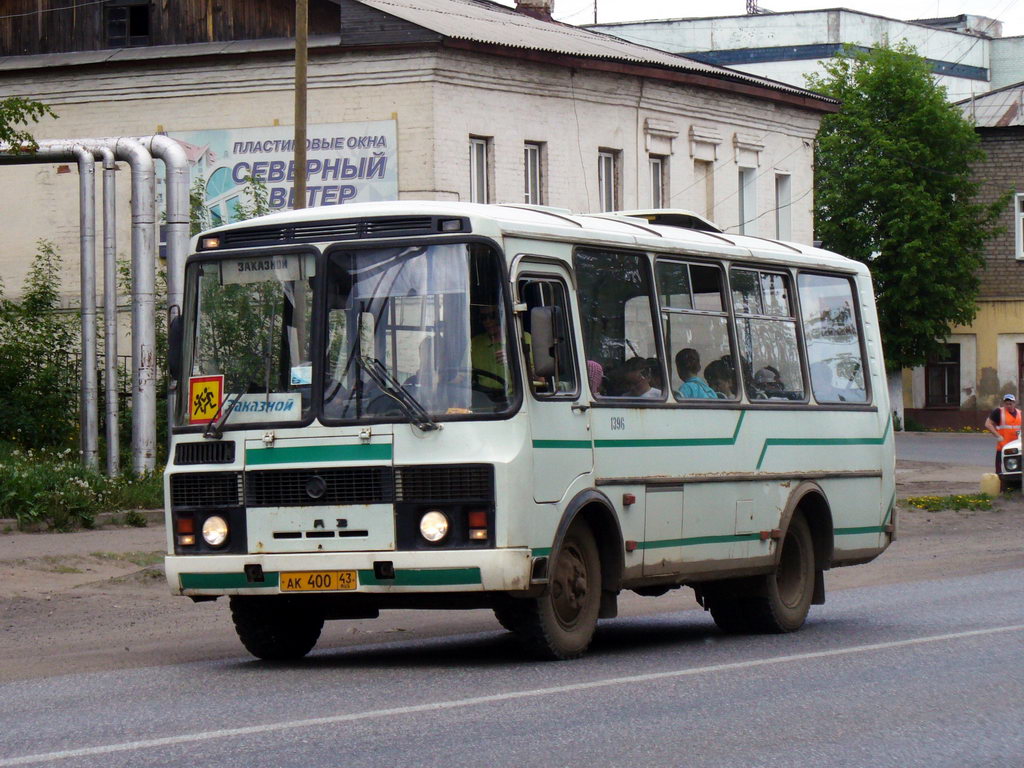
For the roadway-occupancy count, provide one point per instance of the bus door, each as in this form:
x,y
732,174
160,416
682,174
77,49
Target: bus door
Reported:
x,y
558,402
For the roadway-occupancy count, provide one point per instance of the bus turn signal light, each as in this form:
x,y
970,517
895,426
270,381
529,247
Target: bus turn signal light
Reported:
x,y
477,520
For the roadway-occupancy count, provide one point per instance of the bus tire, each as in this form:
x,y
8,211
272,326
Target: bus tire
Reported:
x,y
730,614
560,623
275,628
777,602
787,592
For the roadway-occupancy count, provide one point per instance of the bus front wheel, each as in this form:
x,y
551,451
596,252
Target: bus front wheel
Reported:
x,y
275,628
560,623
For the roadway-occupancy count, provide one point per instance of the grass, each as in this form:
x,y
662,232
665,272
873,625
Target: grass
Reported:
x,y
957,501
52,490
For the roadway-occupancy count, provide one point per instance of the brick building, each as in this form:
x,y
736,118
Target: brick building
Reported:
x,y
471,100
985,360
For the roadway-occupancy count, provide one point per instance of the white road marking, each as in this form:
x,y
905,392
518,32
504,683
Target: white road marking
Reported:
x,y
188,738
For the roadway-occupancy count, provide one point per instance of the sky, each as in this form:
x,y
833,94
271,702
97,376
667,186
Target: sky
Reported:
x,y
1010,12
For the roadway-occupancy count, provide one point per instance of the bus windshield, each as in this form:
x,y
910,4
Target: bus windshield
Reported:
x,y
249,346
415,330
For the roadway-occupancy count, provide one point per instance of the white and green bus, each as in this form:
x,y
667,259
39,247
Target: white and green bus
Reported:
x,y
445,405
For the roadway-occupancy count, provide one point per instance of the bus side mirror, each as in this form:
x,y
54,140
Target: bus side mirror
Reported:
x,y
545,332
174,339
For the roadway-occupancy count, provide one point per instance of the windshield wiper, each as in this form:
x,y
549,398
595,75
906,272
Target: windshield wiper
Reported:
x,y
216,426
389,385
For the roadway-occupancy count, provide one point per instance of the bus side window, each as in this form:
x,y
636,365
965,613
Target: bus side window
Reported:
x,y
617,317
560,379
766,333
832,339
696,327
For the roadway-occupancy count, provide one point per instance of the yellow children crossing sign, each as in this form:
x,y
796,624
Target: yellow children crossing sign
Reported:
x,y
204,396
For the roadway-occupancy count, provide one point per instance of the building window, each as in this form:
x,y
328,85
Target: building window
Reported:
x,y
533,186
942,379
783,225
659,180
747,201
1018,224
127,23
607,179
479,176
704,179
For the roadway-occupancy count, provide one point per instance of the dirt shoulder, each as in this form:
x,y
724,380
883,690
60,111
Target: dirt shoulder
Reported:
x,y
97,600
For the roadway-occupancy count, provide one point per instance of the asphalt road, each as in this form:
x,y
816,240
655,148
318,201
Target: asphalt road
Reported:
x,y
927,673
970,449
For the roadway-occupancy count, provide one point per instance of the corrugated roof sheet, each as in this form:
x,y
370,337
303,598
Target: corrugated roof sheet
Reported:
x,y
487,22
1001,108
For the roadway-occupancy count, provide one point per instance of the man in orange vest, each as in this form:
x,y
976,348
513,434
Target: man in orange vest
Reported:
x,y
1004,423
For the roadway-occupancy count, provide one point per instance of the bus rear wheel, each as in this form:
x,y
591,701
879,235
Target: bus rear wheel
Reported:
x,y
560,623
275,628
777,602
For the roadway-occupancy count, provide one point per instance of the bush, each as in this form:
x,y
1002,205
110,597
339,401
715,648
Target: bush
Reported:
x,y
37,342
53,490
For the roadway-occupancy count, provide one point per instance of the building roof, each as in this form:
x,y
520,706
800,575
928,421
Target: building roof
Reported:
x,y
1001,108
471,23
487,22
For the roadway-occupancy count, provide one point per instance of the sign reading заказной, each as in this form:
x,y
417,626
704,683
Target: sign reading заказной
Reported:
x,y
345,163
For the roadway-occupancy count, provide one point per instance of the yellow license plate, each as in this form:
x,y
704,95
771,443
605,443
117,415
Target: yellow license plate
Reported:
x,y
318,581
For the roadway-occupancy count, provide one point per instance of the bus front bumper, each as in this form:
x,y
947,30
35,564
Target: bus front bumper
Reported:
x,y
497,570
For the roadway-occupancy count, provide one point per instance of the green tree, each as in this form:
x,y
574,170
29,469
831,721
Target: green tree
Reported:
x,y
893,189
15,113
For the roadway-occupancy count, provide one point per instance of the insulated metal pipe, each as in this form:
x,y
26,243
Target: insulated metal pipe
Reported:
x,y
143,303
89,410
110,369
143,260
176,183
76,151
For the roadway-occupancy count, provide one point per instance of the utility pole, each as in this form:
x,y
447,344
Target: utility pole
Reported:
x,y
301,60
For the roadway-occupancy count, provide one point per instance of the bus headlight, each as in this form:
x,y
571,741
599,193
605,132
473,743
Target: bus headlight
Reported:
x,y
434,526
1011,465
215,530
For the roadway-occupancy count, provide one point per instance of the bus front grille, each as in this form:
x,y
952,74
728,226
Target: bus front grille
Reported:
x,y
319,486
467,482
333,486
206,452
206,489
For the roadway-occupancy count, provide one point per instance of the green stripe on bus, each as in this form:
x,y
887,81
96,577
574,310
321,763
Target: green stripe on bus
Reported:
x,y
674,442
696,540
319,453
225,581
424,577
822,441
404,577
862,529
562,444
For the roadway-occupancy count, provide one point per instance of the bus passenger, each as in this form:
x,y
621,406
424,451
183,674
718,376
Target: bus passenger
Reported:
x,y
721,379
595,375
688,367
654,370
769,381
636,378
